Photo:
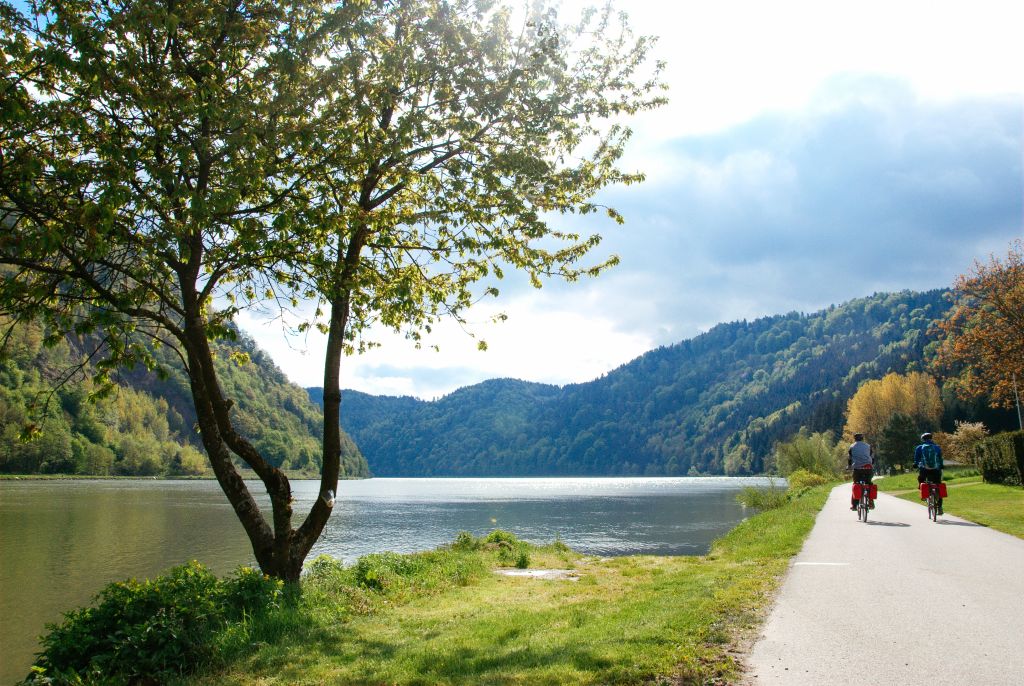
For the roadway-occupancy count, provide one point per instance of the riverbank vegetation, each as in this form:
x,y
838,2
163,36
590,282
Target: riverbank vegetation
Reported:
x,y
445,617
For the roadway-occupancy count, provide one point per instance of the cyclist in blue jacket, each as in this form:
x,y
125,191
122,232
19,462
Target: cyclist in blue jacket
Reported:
x,y
928,460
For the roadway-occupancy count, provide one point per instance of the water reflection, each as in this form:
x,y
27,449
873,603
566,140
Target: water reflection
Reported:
x,y
61,541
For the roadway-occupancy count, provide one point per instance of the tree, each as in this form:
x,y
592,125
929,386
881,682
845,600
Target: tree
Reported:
x,y
897,440
813,452
960,444
915,395
164,165
982,346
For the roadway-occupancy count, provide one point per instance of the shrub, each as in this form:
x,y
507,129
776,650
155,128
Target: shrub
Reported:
x,y
801,479
511,551
382,571
816,453
1001,458
466,541
767,498
153,629
501,536
959,446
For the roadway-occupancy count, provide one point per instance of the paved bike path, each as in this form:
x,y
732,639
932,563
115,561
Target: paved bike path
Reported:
x,y
899,600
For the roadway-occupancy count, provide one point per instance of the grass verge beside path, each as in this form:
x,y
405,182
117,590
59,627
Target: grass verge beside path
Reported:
x,y
992,505
627,620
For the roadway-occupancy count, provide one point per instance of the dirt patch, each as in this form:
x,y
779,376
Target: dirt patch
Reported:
x,y
560,574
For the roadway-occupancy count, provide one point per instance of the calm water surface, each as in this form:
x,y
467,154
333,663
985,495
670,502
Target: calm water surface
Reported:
x,y
61,541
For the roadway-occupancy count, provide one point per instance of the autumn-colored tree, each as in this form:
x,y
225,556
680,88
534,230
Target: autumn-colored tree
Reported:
x,y
916,396
959,445
982,347
165,164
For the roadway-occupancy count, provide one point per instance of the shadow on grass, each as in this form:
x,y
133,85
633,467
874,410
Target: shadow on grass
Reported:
x,y
497,665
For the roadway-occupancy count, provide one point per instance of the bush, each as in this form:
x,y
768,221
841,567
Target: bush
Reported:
x,y
511,551
466,541
499,536
383,571
767,498
153,629
1001,458
816,453
801,479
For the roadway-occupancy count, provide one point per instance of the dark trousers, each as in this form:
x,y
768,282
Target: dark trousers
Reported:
x,y
932,476
860,475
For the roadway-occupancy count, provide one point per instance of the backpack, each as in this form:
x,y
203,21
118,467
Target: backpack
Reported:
x,y
931,457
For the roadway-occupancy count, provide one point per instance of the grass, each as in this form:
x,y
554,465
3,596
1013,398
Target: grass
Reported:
x,y
444,618
993,505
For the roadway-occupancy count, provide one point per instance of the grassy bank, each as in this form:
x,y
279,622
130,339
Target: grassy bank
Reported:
x,y
626,620
993,505
445,617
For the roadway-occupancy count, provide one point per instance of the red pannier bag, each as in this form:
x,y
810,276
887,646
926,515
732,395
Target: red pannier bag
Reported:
x,y
942,491
872,491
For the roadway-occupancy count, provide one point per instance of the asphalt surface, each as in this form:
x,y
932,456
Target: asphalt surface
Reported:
x,y
898,600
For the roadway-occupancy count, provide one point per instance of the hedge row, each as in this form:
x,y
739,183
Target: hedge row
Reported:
x,y
1001,458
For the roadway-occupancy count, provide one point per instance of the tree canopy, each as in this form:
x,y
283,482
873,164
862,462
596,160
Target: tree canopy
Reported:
x,y
982,348
914,395
166,163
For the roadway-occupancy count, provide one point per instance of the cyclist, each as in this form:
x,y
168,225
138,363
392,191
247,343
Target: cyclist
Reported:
x,y
928,460
861,456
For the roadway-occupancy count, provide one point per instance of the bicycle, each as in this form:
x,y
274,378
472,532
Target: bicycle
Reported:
x,y
864,502
933,501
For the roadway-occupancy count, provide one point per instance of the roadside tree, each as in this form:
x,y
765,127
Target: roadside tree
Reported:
x,y
165,165
982,347
870,411
959,445
895,445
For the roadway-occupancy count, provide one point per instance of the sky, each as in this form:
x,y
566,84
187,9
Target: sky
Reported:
x,y
811,153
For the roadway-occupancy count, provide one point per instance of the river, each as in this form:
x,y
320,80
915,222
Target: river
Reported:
x,y
62,541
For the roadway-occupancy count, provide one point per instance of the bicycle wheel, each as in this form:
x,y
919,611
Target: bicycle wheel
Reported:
x,y
932,509
864,506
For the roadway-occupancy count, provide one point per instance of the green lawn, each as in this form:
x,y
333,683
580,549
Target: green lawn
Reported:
x,y
627,620
999,507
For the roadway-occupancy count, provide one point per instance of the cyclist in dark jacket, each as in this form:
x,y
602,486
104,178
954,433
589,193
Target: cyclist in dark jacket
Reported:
x,y
861,456
928,460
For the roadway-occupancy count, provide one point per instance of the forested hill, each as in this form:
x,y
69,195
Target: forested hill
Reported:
x,y
712,404
146,427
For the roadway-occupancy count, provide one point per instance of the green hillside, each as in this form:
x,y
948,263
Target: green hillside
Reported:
x,y
145,427
716,403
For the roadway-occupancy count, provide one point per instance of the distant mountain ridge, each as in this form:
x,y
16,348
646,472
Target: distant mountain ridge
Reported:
x,y
147,425
715,403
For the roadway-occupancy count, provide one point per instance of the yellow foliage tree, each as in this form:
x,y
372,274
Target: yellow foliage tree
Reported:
x,y
915,395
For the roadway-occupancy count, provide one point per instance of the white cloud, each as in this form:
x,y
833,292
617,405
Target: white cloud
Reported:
x,y
812,151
